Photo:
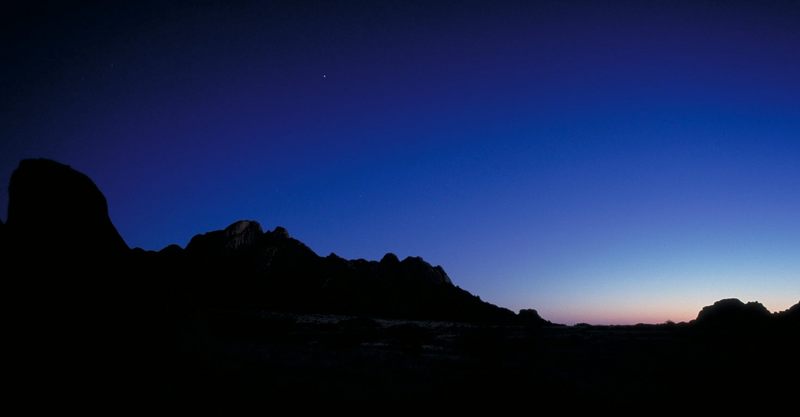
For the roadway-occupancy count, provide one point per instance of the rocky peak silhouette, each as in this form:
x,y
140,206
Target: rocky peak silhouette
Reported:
x,y
273,270
281,232
243,233
55,208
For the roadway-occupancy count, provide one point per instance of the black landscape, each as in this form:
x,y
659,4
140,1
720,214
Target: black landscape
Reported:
x,y
241,319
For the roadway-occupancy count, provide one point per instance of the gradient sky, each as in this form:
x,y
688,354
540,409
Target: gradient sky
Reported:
x,y
602,162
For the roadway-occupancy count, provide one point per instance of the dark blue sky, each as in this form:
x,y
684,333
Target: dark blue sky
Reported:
x,y
599,161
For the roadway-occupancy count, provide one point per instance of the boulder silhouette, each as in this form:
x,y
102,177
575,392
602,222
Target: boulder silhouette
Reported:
x,y
531,317
391,260
732,312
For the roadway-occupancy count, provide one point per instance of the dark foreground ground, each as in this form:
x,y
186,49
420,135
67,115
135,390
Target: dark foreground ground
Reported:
x,y
257,358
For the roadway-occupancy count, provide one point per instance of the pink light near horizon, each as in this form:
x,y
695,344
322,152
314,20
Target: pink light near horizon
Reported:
x,y
653,279
624,313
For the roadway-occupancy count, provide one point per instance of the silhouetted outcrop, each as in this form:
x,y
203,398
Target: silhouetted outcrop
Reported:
x,y
54,208
732,312
242,234
531,317
791,315
67,273
281,232
390,259
793,312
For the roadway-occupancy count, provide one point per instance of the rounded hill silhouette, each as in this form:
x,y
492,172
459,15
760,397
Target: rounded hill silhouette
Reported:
x,y
733,312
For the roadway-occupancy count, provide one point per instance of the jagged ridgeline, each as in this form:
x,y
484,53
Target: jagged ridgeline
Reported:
x,y
202,327
243,265
57,213
67,256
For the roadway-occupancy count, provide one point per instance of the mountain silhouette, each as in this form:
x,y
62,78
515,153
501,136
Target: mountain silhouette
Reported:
x,y
243,265
243,314
75,281
58,219
58,224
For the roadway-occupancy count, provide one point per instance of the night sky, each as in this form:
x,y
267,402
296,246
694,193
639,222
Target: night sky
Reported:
x,y
604,162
